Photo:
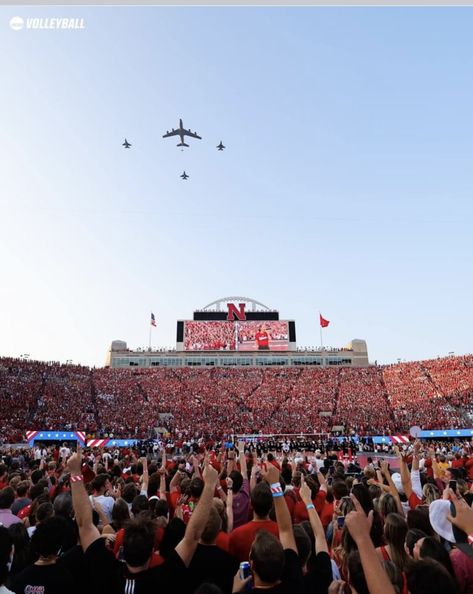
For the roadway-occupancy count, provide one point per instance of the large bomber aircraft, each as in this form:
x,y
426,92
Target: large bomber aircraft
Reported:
x,y
181,132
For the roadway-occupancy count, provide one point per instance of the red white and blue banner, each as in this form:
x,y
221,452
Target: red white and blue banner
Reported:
x,y
424,434
32,436
392,439
111,443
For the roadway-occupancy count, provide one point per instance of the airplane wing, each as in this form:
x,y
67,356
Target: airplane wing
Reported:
x,y
173,133
191,134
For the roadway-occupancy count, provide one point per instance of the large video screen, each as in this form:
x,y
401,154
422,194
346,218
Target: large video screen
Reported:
x,y
262,336
209,336
236,336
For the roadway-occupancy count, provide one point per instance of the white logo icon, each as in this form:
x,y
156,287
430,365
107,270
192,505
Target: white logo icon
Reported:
x,y
17,23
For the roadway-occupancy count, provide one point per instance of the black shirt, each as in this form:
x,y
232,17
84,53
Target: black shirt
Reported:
x,y
292,581
319,576
44,579
74,561
212,565
110,576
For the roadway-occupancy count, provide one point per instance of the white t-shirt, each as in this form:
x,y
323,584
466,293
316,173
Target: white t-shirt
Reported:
x,y
5,590
106,503
64,452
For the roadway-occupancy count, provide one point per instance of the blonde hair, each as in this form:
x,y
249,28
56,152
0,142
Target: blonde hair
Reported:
x,y
430,493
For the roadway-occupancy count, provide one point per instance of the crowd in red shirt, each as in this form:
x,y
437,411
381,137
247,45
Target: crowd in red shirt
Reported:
x,y
225,401
205,336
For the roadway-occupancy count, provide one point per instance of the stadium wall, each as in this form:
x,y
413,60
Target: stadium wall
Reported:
x,y
354,354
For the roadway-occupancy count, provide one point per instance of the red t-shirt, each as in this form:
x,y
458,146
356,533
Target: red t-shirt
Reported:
x,y
414,501
262,339
121,535
428,468
291,499
327,514
172,501
300,510
469,468
242,538
223,541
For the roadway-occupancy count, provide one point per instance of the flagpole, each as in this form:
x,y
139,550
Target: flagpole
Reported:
x,y
321,342
150,326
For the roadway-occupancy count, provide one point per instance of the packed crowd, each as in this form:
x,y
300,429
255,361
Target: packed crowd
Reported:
x,y
20,385
433,394
205,336
363,402
225,518
222,401
66,399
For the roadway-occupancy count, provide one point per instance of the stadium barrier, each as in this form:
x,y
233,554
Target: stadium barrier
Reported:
x,y
45,435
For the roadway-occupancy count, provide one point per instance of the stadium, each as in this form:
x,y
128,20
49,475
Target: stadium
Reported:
x,y
218,383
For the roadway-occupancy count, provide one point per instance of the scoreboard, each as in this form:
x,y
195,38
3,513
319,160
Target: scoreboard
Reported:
x,y
233,328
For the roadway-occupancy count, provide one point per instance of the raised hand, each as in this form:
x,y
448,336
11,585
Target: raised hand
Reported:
x,y
271,475
74,464
358,523
210,475
464,513
240,584
384,467
305,491
417,447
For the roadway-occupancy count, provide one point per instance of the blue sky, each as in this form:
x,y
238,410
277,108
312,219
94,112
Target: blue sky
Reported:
x,y
346,185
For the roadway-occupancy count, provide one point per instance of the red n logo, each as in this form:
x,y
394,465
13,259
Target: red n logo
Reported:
x,y
234,312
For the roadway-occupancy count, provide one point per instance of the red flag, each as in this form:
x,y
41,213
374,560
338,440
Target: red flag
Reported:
x,y
323,322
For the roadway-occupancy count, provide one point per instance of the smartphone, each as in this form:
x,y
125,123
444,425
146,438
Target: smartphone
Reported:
x,y
341,521
453,486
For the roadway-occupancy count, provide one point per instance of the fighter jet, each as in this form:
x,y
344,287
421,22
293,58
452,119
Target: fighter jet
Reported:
x,y
220,146
184,175
181,132
126,144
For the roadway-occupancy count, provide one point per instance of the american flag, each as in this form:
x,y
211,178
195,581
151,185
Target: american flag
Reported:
x,y
153,320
